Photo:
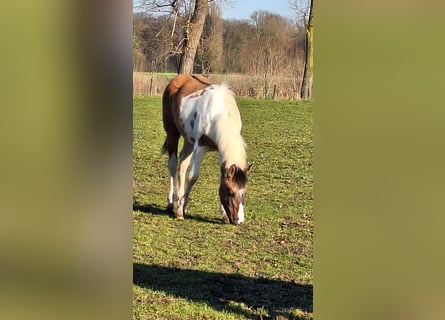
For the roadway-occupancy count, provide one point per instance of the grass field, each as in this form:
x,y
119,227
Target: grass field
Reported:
x,y
200,268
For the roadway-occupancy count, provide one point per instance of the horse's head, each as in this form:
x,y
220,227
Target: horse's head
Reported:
x,y
232,192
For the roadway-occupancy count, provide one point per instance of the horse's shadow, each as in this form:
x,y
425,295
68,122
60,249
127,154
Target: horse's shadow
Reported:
x,y
227,292
149,208
155,209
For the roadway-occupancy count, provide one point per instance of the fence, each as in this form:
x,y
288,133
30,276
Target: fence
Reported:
x,y
274,87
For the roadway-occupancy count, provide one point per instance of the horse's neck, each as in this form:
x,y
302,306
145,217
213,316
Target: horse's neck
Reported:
x,y
232,149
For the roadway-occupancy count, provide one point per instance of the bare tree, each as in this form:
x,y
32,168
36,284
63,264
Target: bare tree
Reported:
x,y
305,12
267,45
236,35
271,48
193,25
155,6
210,52
193,33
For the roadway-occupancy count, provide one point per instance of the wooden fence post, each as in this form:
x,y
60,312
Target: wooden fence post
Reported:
x,y
151,86
266,86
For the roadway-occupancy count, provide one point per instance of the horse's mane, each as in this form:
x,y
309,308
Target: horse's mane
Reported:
x,y
230,143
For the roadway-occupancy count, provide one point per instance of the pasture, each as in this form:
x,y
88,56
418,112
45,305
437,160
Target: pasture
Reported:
x,y
200,268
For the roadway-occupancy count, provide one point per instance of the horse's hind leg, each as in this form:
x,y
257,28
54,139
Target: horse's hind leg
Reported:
x,y
171,144
184,162
172,163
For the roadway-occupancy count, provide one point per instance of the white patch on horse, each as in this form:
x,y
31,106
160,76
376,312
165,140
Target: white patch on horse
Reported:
x,y
172,163
211,114
240,214
241,208
171,190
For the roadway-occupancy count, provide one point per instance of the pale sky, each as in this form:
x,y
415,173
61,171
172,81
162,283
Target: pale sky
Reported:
x,y
242,9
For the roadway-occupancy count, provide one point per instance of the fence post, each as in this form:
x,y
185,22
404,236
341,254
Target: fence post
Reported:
x,y
266,87
151,86
274,91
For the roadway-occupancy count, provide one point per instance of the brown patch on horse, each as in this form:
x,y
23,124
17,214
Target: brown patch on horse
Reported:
x,y
236,175
206,141
179,87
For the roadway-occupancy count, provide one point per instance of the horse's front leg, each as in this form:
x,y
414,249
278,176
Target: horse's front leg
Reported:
x,y
225,217
196,159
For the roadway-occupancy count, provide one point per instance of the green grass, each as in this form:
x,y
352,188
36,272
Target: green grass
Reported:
x,y
200,268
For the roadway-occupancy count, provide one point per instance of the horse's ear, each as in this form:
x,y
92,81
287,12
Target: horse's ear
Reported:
x,y
231,172
249,168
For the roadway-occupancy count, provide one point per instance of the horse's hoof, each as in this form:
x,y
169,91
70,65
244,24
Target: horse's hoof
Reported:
x,y
170,208
179,217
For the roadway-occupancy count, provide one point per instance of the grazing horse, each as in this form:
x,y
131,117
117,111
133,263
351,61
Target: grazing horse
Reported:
x,y
207,116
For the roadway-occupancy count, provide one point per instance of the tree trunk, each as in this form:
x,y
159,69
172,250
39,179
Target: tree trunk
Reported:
x,y
193,34
306,86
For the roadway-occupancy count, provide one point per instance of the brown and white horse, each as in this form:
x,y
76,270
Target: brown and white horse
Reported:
x,y
207,116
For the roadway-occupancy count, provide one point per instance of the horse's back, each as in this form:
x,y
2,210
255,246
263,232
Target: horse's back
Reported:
x,y
180,86
210,102
184,84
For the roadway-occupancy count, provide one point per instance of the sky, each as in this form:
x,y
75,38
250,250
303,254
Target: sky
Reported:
x,y
242,9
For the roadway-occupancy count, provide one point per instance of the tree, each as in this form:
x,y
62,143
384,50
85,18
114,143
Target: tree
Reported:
x,y
193,26
272,44
154,45
210,51
306,86
236,35
267,45
193,33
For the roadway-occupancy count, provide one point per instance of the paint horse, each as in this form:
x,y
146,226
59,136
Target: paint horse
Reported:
x,y
207,116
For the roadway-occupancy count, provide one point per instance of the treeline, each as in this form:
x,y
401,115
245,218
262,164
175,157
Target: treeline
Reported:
x,y
265,45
